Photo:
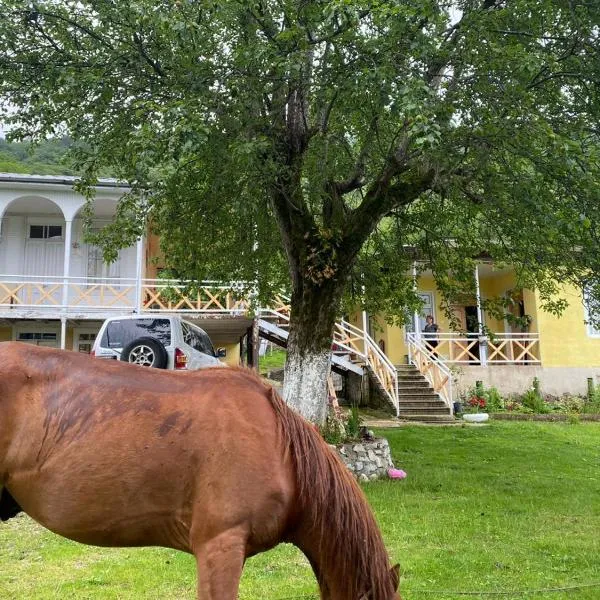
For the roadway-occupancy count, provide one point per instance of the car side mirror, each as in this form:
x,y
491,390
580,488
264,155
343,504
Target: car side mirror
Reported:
x,y
221,353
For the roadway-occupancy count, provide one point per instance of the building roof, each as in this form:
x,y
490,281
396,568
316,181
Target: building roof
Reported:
x,y
57,179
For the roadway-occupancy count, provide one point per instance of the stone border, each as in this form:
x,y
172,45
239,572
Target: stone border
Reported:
x,y
367,460
552,417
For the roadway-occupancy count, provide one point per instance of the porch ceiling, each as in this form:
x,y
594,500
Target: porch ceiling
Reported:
x,y
221,329
487,270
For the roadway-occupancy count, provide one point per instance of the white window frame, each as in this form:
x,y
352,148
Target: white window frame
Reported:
x,y
592,332
423,313
77,331
34,328
107,272
54,221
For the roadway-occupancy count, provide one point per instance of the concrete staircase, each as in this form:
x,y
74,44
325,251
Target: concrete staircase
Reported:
x,y
387,403
418,401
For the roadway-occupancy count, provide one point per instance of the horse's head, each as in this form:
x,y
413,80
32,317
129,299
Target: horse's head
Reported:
x,y
394,574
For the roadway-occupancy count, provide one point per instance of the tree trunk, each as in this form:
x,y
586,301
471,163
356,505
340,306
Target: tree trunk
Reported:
x,y
309,349
305,383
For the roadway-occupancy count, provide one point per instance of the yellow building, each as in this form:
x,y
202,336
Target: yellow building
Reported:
x,y
562,352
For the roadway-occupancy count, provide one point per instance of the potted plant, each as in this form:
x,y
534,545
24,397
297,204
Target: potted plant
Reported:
x,y
475,409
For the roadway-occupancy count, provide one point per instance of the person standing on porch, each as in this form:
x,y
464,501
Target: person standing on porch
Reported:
x,y
431,330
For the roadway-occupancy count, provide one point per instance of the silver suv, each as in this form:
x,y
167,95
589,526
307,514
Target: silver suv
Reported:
x,y
161,342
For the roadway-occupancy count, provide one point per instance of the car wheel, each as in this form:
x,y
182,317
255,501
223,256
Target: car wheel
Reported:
x,y
146,352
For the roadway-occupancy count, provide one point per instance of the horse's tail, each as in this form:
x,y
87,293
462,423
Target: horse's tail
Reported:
x,y
336,510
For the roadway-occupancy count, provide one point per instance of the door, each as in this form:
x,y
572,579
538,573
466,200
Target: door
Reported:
x,y
44,258
472,327
44,250
428,308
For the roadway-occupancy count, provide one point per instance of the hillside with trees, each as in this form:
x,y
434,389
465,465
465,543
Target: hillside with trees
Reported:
x,y
46,158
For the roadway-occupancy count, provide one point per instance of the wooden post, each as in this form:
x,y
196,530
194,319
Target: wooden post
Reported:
x,y
252,346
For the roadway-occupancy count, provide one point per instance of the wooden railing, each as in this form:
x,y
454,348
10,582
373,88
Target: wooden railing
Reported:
x,y
78,293
348,338
505,348
74,294
431,367
207,297
355,344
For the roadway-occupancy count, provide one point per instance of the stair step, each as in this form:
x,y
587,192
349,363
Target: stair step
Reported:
x,y
427,418
413,384
425,410
432,404
406,399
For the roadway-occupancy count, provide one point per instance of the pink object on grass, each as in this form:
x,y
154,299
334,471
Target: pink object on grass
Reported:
x,y
396,473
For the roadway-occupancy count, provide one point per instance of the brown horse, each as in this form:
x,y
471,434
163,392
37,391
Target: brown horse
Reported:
x,y
209,462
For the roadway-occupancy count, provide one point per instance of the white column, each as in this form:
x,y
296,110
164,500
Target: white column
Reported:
x,y
139,271
365,332
67,262
66,273
63,333
482,344
416,324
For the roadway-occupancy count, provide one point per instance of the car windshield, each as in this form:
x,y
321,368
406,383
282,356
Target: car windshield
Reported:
x,y
197,338
120,333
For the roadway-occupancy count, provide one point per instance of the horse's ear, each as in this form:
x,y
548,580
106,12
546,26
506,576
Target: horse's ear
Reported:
x,y
395,573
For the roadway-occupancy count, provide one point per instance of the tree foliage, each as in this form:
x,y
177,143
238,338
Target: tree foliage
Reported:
x,y
357,129
45,158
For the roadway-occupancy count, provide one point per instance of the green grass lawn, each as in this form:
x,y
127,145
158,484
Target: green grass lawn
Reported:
x,y
503,507
273,359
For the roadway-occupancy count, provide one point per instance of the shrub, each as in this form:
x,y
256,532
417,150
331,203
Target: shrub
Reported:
x,y
353,424
334,430
482,399
533,400
339,429
592,404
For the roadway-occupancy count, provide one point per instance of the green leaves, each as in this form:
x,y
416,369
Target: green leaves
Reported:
x,y
235,120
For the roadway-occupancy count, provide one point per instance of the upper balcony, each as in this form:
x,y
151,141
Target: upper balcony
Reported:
x,y
42,241
23,296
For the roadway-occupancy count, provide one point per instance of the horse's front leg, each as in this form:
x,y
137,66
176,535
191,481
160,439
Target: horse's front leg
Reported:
x,y
220,560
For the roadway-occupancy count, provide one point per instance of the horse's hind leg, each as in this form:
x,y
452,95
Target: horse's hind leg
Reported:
x,y
220,560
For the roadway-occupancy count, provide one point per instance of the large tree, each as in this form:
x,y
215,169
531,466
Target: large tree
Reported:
x,y
353,128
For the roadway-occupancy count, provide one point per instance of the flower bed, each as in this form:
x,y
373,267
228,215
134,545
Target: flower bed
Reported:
x,y
507,416
480,399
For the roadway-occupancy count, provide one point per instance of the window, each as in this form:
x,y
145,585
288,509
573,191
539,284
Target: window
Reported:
x,y
120,333
45,232
197,339
591,310
38,338
96,267
426,309
85,341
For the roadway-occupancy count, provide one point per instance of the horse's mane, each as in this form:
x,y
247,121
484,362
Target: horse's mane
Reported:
x,y
351,544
